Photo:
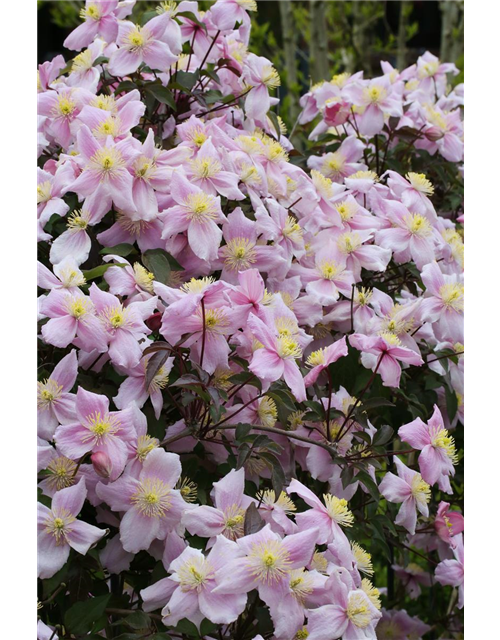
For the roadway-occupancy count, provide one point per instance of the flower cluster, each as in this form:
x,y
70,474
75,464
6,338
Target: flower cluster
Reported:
x,y
236,340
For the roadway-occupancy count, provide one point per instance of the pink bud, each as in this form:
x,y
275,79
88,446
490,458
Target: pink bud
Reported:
x,y
102,464
154,321
433,134
336,112
448,523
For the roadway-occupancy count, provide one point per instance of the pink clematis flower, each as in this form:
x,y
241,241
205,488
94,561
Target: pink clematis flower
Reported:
x,y
411,236
259,74
196,578
320,359
198,214
50,189
72,319
276,358
152,506
353,616
401,625
386,352
133,388
124,326
98,429
105,175
58,530
438,448
62,106
451,572
380,99
327,518
54,404
411,490
264,561
140,44
443,303
227,516
413,577
339,164
206,171
100,19
448,524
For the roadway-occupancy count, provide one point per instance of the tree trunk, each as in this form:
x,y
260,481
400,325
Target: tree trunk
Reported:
x,y
319,42
289,48
449,13
405,9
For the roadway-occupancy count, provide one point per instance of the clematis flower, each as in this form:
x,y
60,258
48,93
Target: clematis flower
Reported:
x,y
379,98
259,74
206,171
140,44
97,429
227,516
124,326
276,358
352,616
443,302
196,579
54,404
197,213
133,388
408,488
58,530
342,163
105,172
400,625
320,360
413,577
151,504
448,524
387,351
62,106
264,561
411,236
72,319
451,572
327,518
100,19
438,448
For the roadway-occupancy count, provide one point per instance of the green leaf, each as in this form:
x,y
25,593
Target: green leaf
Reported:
x,y
156,261
154,365
383,435
122,250
253,521
366,479
138,620
185,81
274,119
162,94
278,478
97,272
373,403
100,60
81,617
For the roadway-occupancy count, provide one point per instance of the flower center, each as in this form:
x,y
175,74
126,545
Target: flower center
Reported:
x,y
234,518
419,182
201,207
107,161
43,192
316,358
267,412
152,498
270,77
440,439
100,427
418,225
79,307
194,574
452,296
65,106
62,472
47,392
328,270
239,254
420,490
145,444
58,524
269,561
358,611
288,348
92,12
337,510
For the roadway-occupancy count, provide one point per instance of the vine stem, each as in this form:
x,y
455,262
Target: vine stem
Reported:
x,y
358,399
287,434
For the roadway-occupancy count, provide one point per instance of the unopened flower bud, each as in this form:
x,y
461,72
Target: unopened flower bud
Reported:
x,y
433,134
154,321
102,464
